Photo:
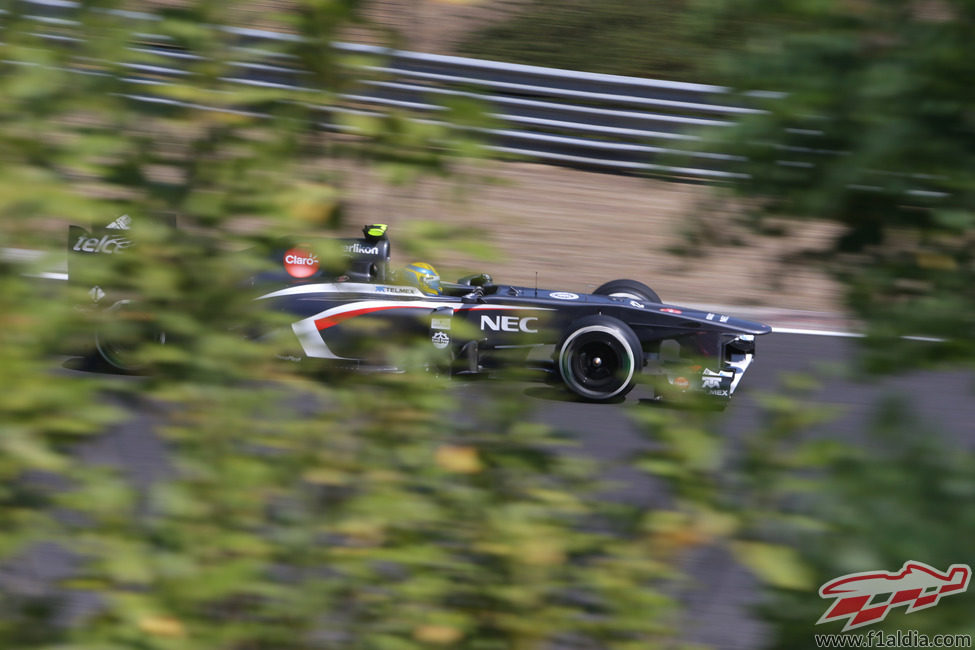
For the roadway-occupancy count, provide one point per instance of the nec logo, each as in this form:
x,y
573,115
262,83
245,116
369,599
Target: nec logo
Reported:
x,y
508,324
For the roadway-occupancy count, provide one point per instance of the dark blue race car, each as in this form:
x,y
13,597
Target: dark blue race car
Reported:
x,y
598,345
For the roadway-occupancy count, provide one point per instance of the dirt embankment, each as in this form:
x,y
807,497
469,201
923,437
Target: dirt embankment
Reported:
x,y
436,26
578,229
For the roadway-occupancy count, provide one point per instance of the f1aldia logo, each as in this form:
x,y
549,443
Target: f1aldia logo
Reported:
x,y
866,598
300,263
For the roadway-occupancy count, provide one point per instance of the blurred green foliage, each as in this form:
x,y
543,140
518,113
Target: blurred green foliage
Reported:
x,y
872,128
799,507
277,507
306,510
865,120
898,494
869,125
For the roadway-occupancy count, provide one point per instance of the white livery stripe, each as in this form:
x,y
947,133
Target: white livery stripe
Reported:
x,y
346,288
342,288
311,341
494,307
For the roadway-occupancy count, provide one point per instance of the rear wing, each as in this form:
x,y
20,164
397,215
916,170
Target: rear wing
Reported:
x,y
88,254
90,250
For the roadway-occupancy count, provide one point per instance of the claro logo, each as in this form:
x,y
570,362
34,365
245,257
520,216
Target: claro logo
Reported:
x,y
300,263
509,324
107,244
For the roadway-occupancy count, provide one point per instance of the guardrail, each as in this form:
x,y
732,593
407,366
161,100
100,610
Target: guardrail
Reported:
x,y
600,121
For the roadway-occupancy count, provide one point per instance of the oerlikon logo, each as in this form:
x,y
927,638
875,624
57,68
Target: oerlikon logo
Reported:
x,y
866,598
300,263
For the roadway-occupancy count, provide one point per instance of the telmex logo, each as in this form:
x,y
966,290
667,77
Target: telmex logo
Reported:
x,y
300,263
508,324
107,244
916,585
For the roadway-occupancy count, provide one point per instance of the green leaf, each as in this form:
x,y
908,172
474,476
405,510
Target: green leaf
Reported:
x,y
779,566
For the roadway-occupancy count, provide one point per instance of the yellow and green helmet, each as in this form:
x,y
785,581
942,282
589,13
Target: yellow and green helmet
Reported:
x,y
424,277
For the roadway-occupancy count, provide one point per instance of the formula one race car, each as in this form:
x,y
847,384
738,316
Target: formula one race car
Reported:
x,y
596,344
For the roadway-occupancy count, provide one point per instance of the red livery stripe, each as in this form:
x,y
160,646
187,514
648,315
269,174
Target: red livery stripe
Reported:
x,y
329,321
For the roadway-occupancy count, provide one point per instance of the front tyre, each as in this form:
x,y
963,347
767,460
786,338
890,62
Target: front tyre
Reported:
x,y
632,289
599,357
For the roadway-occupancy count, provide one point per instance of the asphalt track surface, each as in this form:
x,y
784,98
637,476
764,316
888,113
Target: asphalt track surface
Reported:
x,y
721,592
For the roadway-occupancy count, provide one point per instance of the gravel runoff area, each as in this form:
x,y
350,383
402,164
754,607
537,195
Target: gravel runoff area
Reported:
x,y
578,229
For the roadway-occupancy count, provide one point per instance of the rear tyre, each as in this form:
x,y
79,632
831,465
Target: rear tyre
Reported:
x,y
599,357
118,342
631,289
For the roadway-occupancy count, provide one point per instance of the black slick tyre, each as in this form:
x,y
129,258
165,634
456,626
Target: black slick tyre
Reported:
x,y
632,289
598,358
117,346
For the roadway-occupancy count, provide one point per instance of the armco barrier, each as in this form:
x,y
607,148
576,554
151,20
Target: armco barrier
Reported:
x,y
601,121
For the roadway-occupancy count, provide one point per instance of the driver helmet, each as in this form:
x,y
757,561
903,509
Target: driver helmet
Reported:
x,y
424,277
